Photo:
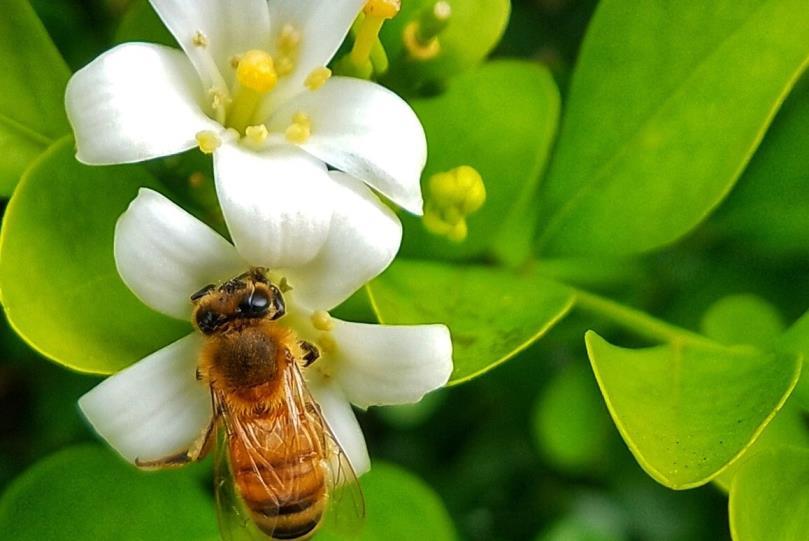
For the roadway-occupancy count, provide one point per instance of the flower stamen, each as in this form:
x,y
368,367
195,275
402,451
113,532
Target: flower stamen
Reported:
x,y
317,78
322,321
300,130
376,12
208,141
256,135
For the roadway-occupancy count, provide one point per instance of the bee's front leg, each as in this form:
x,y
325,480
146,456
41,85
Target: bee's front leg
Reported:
x,y
310,353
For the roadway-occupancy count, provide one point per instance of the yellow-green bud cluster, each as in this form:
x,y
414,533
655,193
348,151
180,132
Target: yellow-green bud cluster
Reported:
x,y
452,197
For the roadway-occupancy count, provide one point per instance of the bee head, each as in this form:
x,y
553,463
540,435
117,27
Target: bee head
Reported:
x,y
249,296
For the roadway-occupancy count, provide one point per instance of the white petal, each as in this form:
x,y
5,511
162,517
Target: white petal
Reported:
x,y
385,365
363,239
367,131
230,27
322,26
155,408
277,204
135,102
342,422
165,255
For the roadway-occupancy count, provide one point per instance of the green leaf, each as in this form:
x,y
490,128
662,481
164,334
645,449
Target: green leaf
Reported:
x,y
87,493
787,428
742,319
500,119
666,107
768,207
32,112
399,507
571,424
796,340
60,289
141,23
770,497
492,314
474,29
689,409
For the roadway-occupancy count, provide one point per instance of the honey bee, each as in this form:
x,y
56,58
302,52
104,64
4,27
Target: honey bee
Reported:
x,y
279,467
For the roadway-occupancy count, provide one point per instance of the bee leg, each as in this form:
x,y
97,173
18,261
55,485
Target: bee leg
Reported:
x,y
198,450
310,353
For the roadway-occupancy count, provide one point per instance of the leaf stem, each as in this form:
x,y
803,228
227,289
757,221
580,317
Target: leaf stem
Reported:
x,y
637,321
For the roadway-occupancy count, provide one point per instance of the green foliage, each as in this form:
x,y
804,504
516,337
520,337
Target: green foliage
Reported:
x,y
570,423
141,23
61,291
399,507
507,140
770,497
666,107
492,314
474,29
690,408
86,492
768,208
32,113
742,319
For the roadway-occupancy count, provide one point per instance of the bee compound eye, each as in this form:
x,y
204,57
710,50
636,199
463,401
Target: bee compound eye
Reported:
x,y
208,321
255,304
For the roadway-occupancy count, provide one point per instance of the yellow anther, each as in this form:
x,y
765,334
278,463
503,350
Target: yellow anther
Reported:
x,y
284,66
288,39
385,9
199,39
317,78
301,128
208,141
327,343
376,12
256,71
256,135
322,321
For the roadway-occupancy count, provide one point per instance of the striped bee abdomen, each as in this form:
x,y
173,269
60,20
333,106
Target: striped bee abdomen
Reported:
x,y
283,486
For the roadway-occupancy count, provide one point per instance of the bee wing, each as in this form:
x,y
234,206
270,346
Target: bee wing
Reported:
x,y
346,511
234,519
293,426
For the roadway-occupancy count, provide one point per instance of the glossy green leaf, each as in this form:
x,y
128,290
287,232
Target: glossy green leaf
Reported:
x,y
500,119
687,410
141,23
796,340
60,289
667,105
32,113
742,319
769,498
571,425
788,428
87,493
474,29
399,507
492,314
768,207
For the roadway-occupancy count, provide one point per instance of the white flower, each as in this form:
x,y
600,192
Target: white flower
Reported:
x,y
253,76
325,247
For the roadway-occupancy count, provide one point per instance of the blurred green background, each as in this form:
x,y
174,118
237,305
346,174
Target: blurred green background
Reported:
x,y
526,452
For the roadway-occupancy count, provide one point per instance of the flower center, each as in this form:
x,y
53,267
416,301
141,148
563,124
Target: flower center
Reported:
x,y
257,73
255,77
